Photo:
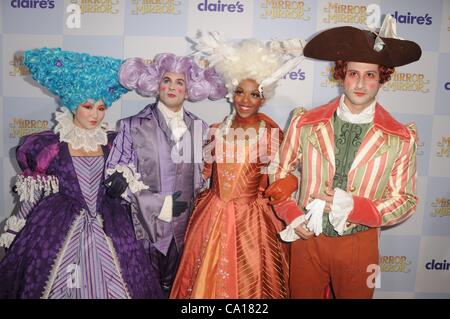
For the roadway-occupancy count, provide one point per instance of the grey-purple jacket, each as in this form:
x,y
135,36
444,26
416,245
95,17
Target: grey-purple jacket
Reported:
x,y
144,140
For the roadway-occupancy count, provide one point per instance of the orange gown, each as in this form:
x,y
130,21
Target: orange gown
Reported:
x,y
232,248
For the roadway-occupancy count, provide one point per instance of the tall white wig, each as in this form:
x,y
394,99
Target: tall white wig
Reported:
x,y
250,59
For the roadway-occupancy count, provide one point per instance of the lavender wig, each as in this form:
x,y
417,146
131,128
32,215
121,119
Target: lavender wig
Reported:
x,y
201,83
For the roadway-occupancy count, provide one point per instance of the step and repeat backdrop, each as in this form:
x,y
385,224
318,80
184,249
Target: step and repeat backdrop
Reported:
x,y
415,255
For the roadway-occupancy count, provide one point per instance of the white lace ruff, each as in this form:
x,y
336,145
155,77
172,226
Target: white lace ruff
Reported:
x,y
77,137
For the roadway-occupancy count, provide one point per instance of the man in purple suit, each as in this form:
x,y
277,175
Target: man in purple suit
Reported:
x,y
156,160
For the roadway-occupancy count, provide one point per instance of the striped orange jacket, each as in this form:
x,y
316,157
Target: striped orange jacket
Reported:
x,y
382,177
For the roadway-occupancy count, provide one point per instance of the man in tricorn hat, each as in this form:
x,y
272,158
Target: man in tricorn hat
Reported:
x,y
358,167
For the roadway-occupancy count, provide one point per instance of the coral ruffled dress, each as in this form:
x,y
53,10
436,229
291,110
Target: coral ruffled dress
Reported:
x,y
232,249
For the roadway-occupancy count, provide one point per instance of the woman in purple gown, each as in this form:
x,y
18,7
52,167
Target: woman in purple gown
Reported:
x,y
70,240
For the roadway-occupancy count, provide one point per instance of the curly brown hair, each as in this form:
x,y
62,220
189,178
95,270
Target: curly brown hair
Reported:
x,y
340,69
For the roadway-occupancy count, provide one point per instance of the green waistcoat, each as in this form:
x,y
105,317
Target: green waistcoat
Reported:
x,y
347,139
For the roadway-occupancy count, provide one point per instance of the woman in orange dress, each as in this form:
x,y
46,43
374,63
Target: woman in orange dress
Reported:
x,y
232,249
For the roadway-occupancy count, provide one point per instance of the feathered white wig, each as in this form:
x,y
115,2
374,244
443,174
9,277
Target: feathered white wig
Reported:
x,y
253,61
250,59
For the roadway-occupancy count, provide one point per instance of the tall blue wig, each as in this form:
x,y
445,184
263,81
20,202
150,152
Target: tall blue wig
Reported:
x,y
75,77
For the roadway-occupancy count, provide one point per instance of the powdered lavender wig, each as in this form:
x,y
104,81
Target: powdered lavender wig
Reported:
x,y
201,83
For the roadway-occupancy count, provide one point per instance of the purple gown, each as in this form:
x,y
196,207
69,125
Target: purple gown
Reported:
x,y
76,230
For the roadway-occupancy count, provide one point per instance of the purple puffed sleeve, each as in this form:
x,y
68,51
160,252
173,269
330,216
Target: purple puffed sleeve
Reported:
x,y
34,156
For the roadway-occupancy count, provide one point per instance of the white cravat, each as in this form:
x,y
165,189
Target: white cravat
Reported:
x,y
177,126
174,121
342,200
366,116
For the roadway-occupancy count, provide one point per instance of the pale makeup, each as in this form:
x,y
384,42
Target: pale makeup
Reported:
x,y
172,90
361,85
89,115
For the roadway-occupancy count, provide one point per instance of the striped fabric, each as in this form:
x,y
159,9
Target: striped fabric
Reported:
x,y
88,267
122,153
382,177
89,172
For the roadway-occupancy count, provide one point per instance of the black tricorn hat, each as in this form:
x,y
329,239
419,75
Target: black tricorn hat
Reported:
x,y
356,45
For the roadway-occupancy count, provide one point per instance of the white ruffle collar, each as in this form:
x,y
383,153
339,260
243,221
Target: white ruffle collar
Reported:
x,y
169,114
77,137
366,115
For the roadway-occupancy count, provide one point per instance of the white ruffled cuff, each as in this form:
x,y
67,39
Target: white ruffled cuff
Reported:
x,y
166,210
342,207
13,225
288,234
131,176
28,186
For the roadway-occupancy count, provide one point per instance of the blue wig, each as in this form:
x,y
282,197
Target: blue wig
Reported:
x,y
75,77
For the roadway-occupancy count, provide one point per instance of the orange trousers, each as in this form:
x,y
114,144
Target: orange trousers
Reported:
x,y
341,262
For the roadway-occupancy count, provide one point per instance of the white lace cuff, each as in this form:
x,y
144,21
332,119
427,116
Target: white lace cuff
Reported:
x,y
288,234
166,210
131,176
12,227
28,186
342,207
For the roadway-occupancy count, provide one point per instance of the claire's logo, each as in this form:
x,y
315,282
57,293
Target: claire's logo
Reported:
x,y
33,4
436,265
221,6
298,75
412,19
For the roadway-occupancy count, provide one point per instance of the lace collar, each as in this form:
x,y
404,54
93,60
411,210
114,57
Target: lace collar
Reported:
x,y
77,137
169,114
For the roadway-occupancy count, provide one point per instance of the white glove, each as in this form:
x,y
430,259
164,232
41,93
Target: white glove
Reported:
x,y
342,207
166,211
315,215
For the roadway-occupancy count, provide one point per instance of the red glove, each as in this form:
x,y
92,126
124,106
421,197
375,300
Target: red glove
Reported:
x,y
281,189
